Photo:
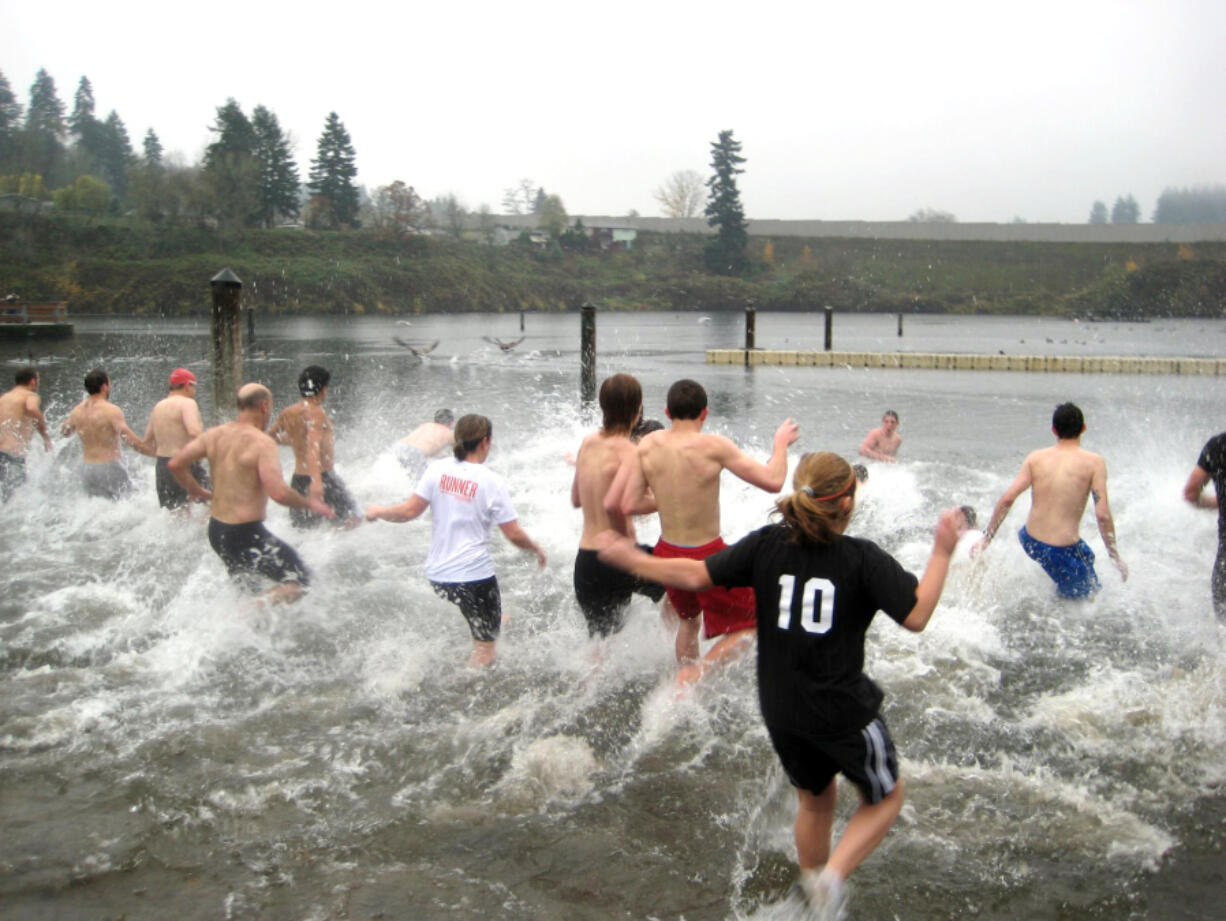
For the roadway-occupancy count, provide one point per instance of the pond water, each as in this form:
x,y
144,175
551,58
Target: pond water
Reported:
x,y
167,751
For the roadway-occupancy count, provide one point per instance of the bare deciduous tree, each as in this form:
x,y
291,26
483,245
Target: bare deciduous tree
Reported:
x,y
682,194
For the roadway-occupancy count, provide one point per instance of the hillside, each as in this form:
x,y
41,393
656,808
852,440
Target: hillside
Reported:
x,y
116,266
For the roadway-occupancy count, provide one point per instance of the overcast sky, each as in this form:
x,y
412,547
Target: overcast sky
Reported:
x,y
863,111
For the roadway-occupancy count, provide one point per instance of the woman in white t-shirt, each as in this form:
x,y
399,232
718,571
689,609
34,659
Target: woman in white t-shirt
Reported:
x,y
465,498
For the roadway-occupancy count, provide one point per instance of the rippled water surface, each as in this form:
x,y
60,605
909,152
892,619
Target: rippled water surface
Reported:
x,y
168,751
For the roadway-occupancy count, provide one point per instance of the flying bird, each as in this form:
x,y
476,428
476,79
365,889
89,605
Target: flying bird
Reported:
x,y
418,349
505,346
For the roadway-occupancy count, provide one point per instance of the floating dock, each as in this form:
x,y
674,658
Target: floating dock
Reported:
x,y
1062,364
21,320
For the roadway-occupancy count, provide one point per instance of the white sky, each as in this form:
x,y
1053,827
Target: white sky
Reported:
x,y
845,110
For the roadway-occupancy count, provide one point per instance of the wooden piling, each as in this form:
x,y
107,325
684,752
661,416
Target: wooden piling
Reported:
x,y
227,338
587,352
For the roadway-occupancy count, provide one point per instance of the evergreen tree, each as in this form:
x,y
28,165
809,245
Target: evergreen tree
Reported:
x,y
152,148
89,139
10,127
1098,213
335,198
82,117
1125,211
727,253
231,168
44,129
1196,205
278,172
116,155
539,202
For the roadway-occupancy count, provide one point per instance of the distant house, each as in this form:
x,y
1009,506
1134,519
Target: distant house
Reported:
x,y
613,238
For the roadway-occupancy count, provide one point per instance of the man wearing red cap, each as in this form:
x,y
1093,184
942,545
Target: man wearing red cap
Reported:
x,y
173,423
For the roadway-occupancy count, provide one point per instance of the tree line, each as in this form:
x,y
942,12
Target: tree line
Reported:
x,y
247,178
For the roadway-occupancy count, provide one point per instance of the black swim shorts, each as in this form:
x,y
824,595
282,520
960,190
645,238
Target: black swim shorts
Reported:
x,y
170,493
250,549
480,602
603,592
336,497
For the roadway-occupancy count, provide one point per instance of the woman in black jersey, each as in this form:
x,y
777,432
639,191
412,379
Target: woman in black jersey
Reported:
x,y
817,592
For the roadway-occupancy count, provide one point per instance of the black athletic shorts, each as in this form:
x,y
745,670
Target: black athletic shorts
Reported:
x,y
170,493
251,550
865,757
480,602
603,592
336,497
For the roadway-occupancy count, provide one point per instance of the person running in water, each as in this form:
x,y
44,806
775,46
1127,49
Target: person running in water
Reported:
x,y
817,590
465,499
681,465
21,415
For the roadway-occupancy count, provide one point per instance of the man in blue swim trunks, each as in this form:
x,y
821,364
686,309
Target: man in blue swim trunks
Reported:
x,y
1061,478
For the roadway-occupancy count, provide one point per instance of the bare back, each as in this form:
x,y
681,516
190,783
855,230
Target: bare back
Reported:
x,y
20,411
429,438
303,426
173,422
1061,480
98,423
236,451
682,469
600,457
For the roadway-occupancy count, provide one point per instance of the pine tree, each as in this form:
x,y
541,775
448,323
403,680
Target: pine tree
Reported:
x,y
152,148
335,198
116,155
278,172
727,253
45,129
1098,213
82,117
1125,211
231,168
10,127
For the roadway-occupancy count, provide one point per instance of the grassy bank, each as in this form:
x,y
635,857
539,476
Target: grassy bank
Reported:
x,y
117,266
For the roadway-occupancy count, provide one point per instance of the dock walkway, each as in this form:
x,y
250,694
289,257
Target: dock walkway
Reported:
x,y
21,320
1075,364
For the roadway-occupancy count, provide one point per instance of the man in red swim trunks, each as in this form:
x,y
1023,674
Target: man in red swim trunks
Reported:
x,y
681,466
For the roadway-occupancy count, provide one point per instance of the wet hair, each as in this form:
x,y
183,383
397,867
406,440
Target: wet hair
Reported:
x,y
24,376
645,427
621,402
890,412
94,381
1068,421
814,513
252,396
686,400
444,417
469,433
313,380
860,471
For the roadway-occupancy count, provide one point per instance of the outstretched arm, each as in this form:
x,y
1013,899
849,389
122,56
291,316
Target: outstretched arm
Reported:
x,y
269,466
1194,489
771,475
928,592
407,510
622,552
1020,484
519,537
1102,512
180,467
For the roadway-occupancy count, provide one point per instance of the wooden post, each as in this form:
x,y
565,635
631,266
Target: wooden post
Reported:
x,y
250,325
900,325
829,327
521,321
587,352
751,315
227,337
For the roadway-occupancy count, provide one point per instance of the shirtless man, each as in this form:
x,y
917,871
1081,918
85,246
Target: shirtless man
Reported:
x,y
21,414
883,443
246,472
603,592
681,465
1211,467
174,422
101,427
426,442
1061,478
306,428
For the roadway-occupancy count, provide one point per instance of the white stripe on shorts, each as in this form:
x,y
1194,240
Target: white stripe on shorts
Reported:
x,y
875,765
